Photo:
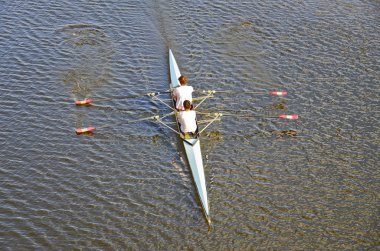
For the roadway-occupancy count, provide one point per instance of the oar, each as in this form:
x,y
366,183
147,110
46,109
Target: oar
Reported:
x,y
90,101
217,117
272,93
92,128
289,117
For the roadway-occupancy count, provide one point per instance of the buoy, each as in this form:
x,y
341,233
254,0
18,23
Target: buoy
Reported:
x,y
278,93
83,102
85,130
288,116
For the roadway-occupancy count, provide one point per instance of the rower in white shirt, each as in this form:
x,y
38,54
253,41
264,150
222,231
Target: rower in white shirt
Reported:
x,y
187,119
182,93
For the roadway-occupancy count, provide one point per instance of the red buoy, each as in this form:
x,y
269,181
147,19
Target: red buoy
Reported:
x,y
85,130
288,117
83,102
278,93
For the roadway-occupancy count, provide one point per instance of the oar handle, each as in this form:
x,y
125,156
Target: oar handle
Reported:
x,y
152,94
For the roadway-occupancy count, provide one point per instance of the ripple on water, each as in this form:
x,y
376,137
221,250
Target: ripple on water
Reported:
x,y
129,186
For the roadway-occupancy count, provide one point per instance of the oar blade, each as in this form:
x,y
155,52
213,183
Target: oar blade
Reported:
x,y
84,102
291,117
83,130
278,93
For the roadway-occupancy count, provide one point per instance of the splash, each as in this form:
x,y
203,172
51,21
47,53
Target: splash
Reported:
x,y
88,49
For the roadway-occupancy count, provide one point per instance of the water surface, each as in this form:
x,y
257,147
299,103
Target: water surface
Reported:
x,y
128,186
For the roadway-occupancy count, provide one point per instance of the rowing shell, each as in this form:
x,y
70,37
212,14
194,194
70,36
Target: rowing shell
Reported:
x,y
192,147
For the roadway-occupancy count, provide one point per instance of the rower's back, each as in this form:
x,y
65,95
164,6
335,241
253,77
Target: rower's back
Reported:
x,y
182,93
187,120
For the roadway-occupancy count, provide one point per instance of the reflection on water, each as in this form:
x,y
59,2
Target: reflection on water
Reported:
x,y
301,184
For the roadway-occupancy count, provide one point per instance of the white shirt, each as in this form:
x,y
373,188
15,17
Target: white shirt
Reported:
x,y
187,121
181,94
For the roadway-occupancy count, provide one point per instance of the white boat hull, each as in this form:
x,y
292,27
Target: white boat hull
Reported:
x,y
192,147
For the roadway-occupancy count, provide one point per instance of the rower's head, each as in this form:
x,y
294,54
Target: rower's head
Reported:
x,y
187,105
183,80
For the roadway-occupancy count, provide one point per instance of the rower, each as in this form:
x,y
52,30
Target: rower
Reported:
x,y
187,120
182,93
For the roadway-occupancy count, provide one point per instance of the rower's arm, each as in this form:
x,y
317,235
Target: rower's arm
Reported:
x,y
175,93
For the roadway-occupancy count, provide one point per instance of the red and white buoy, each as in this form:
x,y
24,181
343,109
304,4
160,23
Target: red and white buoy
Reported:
x,y
83,102
85,130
